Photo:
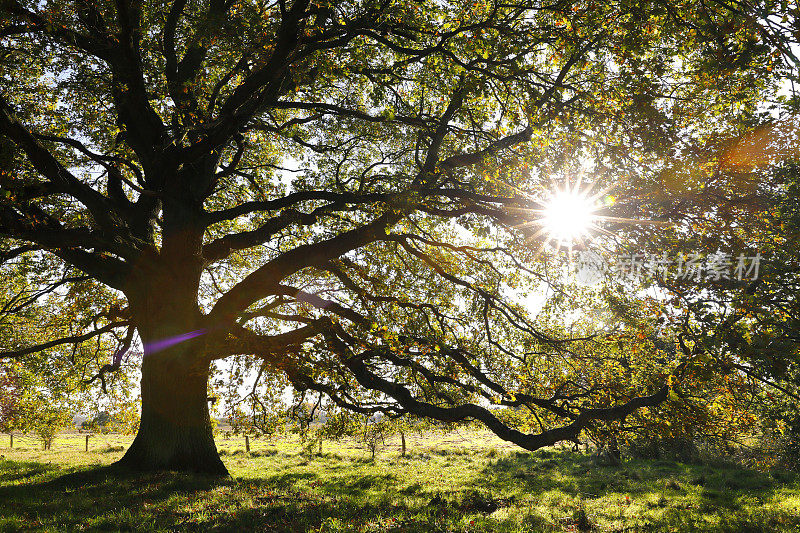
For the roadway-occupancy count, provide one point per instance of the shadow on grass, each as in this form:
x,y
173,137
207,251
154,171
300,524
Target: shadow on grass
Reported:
x,y
14,472
668,495
576,474
33,495
322,495
288,480
359,484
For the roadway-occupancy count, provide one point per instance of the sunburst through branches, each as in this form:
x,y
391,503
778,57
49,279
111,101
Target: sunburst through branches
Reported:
x,y
571,215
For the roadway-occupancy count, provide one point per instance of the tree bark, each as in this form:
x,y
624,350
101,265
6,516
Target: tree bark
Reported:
x,y
175,432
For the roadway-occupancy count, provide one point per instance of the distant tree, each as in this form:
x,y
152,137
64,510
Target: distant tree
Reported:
x,y
374,431
46,419
339,425
258,411
25,408
103,422
10,415
41,392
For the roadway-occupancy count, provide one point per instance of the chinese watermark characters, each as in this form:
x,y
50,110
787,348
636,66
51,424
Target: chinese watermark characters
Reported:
x,y
590,267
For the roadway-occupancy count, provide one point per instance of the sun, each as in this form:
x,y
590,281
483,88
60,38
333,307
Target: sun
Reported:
x,y
571,216
568,216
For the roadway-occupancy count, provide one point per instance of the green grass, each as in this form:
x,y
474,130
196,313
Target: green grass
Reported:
x,y
457,482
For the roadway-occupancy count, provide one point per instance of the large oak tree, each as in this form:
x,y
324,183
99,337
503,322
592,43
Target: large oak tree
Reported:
x,y
293,181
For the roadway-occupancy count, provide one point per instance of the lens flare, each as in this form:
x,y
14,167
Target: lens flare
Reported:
x,y
163,344
570,216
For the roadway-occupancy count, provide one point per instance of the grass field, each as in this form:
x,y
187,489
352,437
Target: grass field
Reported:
x,y
466,481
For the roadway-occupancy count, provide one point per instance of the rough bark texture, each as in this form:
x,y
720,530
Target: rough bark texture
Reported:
x,y
175,431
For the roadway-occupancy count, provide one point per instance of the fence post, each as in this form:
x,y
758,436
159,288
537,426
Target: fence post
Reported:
x,y
87,442
247,443
12,440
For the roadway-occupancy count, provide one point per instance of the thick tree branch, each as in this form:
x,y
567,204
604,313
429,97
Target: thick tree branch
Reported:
x,y
470,411
50,168
264,280
74,339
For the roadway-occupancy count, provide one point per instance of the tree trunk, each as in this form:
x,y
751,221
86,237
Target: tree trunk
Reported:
x,y
175,432
403,443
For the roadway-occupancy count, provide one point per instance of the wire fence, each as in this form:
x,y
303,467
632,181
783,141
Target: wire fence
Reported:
x,y
226,444
66,442
117,442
